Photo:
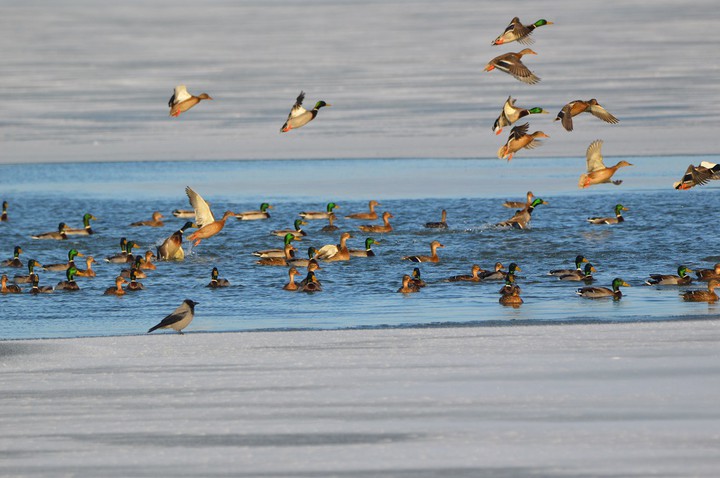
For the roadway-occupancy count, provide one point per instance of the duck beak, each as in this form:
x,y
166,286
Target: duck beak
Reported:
x,y
626,284
80,254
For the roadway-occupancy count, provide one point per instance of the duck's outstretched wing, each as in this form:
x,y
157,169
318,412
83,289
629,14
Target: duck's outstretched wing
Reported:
x,y
594,157
203,214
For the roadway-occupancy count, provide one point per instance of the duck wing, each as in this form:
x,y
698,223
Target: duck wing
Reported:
x,y
203,214
179,95
565,116
297,108
594,157
600,112
327,251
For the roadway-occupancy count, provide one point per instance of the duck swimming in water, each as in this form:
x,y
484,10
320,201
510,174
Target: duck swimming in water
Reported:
x,y
371,215
156,221
705,275
584,275
311,215
442,224
181,100
72,254
297,231
262,213
473,277
600,292
89,272
289,237
118,289
406,288
86,229
299,116
31,265
521,219
619,208
70,283
278,261
579,260
385,227
14,261
4,215
36,289
8,289
331,227
215,281
291,285
433,257
134,284
708,295
59,235
416,279
367,252
682,278
339,252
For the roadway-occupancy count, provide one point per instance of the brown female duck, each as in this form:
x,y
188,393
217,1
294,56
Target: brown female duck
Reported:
x,y
511,63
708,295
433,257
576,107
385,227
369,216
597,172
519,139
182,101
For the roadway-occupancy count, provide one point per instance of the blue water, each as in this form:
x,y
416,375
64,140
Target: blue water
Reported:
x,y
663,229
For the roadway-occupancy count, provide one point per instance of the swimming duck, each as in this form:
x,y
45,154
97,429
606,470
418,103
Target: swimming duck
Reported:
x,y
289,237
299,116
512,298
406,287
204,218
297,232
311,284
370,216
134,284
89,272
171,248
86,230
576,107
330,227
516,31
473,277
215,282
619,208
580,275
367,252
521,219
708,295
442,224
146,263
125,255
14,261
291,285
59,235
311,267
319,215
262,213
511,63
300,262
579,260
183,213
4,215
181,100
72,254
496,274
385,227
509,285
136,268
339,252
520,204
698,175
156,221
416,280
597,173
8,289
118,289
278,261
519,139
598,292
511,113
36,289
681,279
433,257
70,283
31,265
705,275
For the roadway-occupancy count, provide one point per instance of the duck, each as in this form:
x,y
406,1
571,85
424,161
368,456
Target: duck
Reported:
x,y
72,254
59,235
181,100
406,287
136,268
599,292
215,282
416,279
299,116
512,298
147,264
171,249
204,218
278,261
311,267
619,208
442,224
371,215
385,227
576,107
118,289
4,215
310,215
70,283
496,274
521,219
14,261
367,252
126,255
86,229
597,172
36,289
580,275
89,272
511,63
509,284
705,275
698,175
134,285
31,265
512,269
289,237
183,213
518,32
708,295
262,213
682,278
8,289
297,231
291,285
311,284
520,204
511,113
433,257
473,277
300,262
156,221
579,260
333,253
519,139
330,227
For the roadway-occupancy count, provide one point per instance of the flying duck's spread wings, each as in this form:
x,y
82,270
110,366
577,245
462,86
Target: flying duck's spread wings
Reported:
x,y
297,108
203,214
593,156
179,95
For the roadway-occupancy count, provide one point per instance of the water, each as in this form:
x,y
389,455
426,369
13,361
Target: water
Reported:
x,y
664,228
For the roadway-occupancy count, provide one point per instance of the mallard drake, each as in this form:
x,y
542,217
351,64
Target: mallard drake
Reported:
x,y
278,261
122,255
289,237
682,278
59,235
516,31
118,289
385,227
599,292
135,267
417,280
511,63
705,275
330,227
619,208
579,260
299,116
367,252
291,285
204,218
502,275
339,252
262,213
86,229
171,248
297,232
134,285
4,215
36,289
520,204
311,284
70,283
442,224
156,221
72,254
31,265
580,275
183,213
708,295
698,175
433,257
215,282
370,216
511,113
521,219
496,274
14,261
597,173
8,289
473,277
311,267
89,272
576,107
406,287
181,100
299,262
509,284
512,298
519,139
307,215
